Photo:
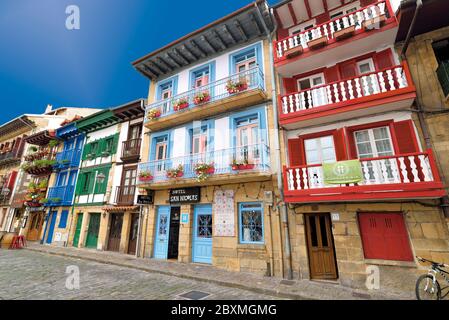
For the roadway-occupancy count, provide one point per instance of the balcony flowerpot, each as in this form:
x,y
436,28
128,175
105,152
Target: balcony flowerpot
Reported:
x,y
246,167
235,167
154,114
201,98
293,52
317,43
344,33
180,104
146,179
374,23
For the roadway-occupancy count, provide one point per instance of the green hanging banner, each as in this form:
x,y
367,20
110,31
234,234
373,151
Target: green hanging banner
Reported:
x,y
343,172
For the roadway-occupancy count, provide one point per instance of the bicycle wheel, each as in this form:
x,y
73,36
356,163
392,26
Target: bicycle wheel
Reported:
x,y
426,289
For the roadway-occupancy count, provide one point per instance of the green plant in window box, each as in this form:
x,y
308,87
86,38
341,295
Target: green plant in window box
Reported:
x,y
55,200
177,172
32,149
44,201
204,170
43,185
53,143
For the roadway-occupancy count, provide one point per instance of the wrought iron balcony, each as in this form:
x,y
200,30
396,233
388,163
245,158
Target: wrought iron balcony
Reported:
x,y
61,195
229,164
359,21
235,91
131,149
15,154
124,195
402,176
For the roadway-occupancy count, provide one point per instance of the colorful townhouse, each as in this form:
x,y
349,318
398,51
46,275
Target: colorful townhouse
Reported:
x,y
363,189
207,161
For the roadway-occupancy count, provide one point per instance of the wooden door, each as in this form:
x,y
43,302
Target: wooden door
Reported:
x,y
320,246
128,185
173,240
115,231
92,231
132,244
35,226
79,223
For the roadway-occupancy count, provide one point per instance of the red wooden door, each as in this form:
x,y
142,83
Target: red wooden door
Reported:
x,y
384,236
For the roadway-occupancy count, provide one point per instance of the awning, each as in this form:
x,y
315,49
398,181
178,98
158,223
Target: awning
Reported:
x,y
120,208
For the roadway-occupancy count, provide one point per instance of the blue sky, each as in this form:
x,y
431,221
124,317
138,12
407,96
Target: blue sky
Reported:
x,y
41,62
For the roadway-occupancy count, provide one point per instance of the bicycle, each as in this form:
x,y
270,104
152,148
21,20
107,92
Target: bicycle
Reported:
x,y
431,288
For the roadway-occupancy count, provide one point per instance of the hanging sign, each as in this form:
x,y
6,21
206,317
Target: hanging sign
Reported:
x,y
185,195
343,172
223,210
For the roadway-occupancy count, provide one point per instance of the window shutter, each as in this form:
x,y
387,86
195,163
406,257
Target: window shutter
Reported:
x,y
296,152
290,85
86,151
384,236
11,180
331,74
406,141
322,18
101,147
115,143
101,187
79,184
383,59
63,219
348,70
340,145
352,148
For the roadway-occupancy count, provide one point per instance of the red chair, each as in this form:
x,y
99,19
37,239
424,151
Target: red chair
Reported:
x,y
18,242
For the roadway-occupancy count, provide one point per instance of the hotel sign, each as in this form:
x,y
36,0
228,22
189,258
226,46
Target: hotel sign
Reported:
x,y
185,195
343,172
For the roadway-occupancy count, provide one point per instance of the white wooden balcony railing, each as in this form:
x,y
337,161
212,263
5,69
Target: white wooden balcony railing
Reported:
x,y
399,169
330,28
370,84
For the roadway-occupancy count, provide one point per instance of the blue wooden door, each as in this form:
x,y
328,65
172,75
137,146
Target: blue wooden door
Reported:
x,y
202,234
162,232
52,220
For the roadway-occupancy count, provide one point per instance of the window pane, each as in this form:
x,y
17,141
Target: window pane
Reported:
x,y
380,133
251,225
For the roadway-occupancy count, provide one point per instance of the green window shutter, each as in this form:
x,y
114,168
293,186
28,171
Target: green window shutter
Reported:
x,y
91,182
115,143
79,183
86,151
100,188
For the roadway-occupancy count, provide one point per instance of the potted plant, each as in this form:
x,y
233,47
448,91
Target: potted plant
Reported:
x,y
201,97
42,186
174,173
32,187
32,149
53,143
55,200
236,86
204,170
180,104
44,201
145,176
153,114
242,165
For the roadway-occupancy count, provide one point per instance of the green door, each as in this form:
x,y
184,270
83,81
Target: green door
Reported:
x,y
92,232
76,237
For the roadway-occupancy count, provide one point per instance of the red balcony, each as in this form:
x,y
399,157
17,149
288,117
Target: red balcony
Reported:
x,y
404,176
380,91
364,30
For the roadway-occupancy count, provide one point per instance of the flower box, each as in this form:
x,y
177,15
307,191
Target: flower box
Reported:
x,y
242,166
146,179
374,23
236,86
344,33
317,43
154,114
293,52
201,98
180,104
174,173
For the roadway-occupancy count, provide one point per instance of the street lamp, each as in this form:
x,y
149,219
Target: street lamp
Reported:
x,y
100,178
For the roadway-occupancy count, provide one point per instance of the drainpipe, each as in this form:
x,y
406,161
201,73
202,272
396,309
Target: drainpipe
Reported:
x,y
444,204
281,207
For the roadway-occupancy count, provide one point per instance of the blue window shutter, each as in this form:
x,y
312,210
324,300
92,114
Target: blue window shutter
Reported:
x,y
63,219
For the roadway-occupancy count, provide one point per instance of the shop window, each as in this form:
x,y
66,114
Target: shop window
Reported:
x,y
251,223
384,236
63,219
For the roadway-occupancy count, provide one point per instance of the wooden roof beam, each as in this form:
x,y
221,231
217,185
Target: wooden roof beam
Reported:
x,y
198,48
173,60
239,27
254,21
165,64
186,49
230,35
309,11
219,40
292,13
204,39
181,56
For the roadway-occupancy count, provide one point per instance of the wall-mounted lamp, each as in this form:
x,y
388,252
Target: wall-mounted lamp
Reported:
x,y
100,178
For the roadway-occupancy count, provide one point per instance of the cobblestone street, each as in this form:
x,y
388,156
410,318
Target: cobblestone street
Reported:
x,y
30,275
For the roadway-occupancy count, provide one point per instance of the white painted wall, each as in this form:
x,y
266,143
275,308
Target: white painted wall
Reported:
x,y
179,142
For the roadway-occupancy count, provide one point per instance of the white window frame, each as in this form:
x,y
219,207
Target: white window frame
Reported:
x,y
371,65
319,147
373,141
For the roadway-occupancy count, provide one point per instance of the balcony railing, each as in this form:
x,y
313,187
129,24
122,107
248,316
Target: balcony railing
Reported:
x,y
68,158
61,195
368,85
131,148
443,76
252,158
365,18
217,90
124,195
404,170
15,154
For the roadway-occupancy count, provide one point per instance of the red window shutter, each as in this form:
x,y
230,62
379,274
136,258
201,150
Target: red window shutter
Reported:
x,y
406,141
364,3
322,18
289,85
295,152
384,236
348,70
352,148
383,59
282,33
331,74
340,145
11,180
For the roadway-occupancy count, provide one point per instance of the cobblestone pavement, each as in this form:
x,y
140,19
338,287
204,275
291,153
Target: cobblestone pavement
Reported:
x,y
26,274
